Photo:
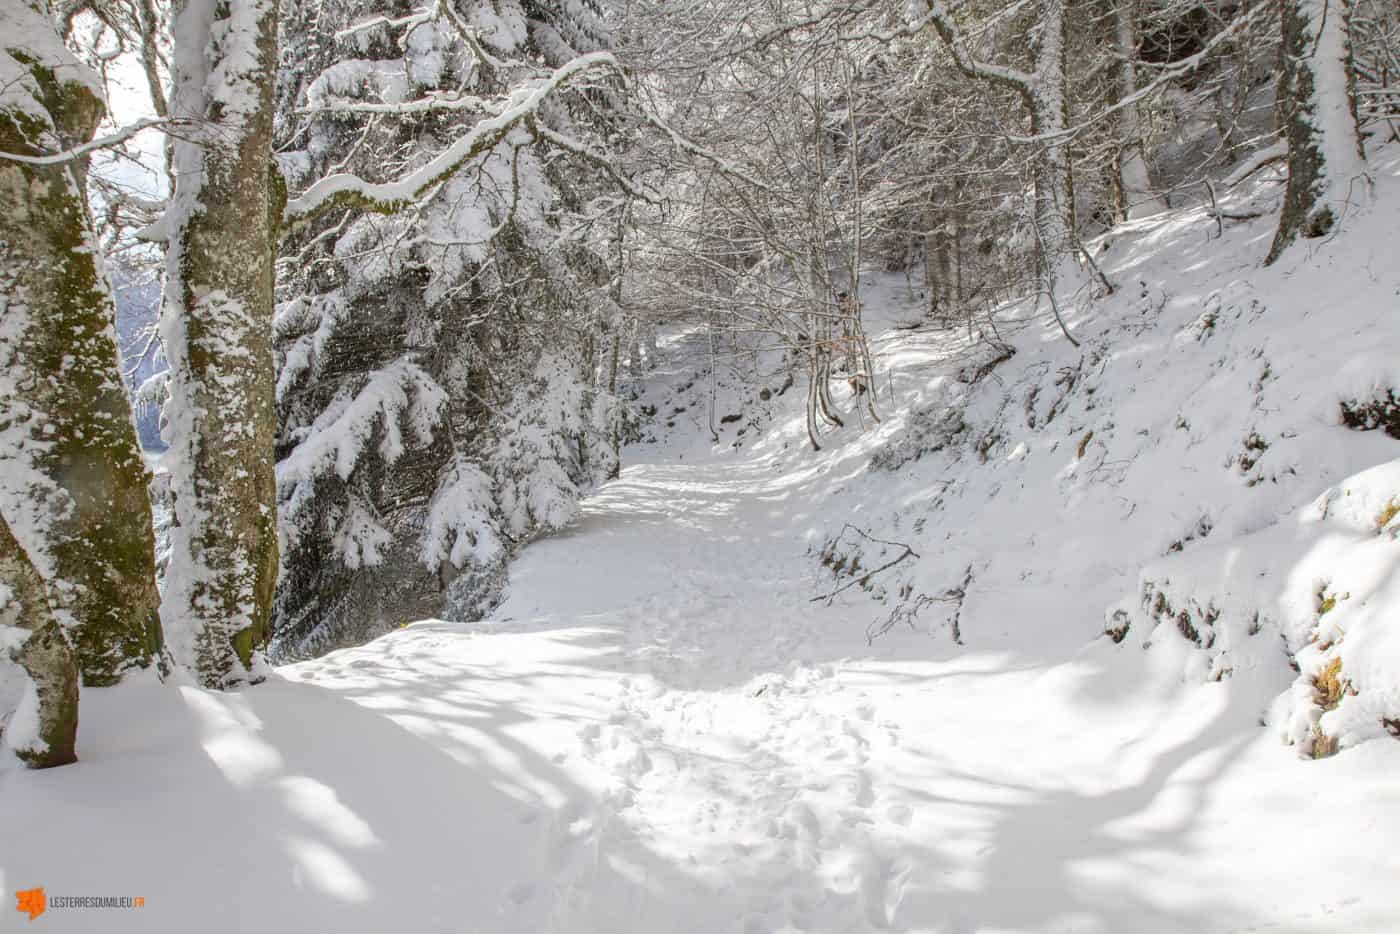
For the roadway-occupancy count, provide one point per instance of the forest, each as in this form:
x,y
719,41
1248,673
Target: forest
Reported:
x,y
699,465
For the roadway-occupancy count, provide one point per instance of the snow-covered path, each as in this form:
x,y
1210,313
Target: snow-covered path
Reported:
x,y
791,777
659,732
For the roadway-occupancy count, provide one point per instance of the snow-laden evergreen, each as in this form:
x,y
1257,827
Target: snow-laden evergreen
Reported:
x,y
441,376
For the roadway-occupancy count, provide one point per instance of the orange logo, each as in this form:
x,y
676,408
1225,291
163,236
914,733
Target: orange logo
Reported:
x,y
30,901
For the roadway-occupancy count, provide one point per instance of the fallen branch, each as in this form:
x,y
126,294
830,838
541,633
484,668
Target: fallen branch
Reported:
x,y
907,612
865,578
1261,159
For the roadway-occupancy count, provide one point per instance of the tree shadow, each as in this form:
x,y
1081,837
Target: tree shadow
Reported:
x,y
426,785
1068,859
293,806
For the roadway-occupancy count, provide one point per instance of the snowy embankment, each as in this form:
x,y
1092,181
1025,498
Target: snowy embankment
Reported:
x,y
660,731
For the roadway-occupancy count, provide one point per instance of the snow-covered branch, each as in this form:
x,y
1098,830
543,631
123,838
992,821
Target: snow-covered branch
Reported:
x,y
947,28
374,22
1267,156
349,189
102,142
1165,76
602,160
425,105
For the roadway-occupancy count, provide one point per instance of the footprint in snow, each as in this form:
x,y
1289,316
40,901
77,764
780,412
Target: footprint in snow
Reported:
x,y
859,788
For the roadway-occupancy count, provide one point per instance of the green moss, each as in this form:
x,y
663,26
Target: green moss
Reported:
x,y
276,200
245,642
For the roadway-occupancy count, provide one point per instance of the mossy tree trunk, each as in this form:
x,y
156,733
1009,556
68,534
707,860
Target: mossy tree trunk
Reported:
x,y
217,328
73,486
1317,112
46,656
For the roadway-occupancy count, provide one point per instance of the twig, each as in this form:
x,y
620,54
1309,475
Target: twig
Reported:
x,y
864,578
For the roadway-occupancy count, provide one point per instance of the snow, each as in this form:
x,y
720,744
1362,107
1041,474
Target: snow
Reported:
x,y
360,540
401,393
22,729
659,730
357,78
460,528
30,33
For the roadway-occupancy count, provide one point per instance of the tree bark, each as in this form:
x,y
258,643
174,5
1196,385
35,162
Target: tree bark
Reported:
x,y
73,486
46,657
217,325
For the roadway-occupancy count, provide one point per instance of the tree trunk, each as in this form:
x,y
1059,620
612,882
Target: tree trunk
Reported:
x,y
1047,104
958,283
935,267
617,415
945,287
44,731
1054,194
72,482
217,325
1317,110
1138,197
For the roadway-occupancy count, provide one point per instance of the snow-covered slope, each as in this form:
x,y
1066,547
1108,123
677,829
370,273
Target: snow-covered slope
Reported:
x,y
659,730
1211,476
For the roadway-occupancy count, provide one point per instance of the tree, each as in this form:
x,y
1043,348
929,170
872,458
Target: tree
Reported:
x,y
1044,89
1136,197
1317,110
445,292
72,481
216,327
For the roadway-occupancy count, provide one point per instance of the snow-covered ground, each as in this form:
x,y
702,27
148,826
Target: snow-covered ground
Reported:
x,y
660,731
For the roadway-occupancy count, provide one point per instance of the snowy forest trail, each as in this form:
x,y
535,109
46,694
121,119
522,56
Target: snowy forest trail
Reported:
x,y
821,783
695,745
659,731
